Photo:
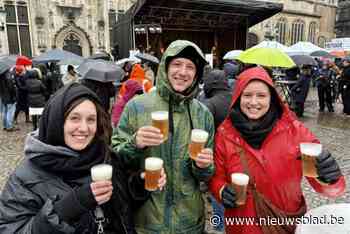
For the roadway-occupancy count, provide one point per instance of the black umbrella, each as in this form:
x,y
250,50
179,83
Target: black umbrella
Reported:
x,y
303,60
57,55
3,67
321,53
100,70
147,57
9,59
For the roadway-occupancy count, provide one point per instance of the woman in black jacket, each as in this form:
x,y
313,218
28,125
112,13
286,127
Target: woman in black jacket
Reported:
x,y
51,190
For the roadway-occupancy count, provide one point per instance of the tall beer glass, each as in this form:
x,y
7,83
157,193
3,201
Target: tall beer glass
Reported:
x,y
101,172
240,182
199,138
309,152
160,121
153,168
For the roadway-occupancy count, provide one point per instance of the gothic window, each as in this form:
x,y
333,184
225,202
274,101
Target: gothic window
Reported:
x,y
312,32
281,26
72,43
17,25
297,33
322,41
89,21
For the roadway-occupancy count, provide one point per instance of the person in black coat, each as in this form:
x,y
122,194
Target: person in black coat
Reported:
x,y
217,95
300,90
323,83
36,91
344,86
22,94
8,96
51,191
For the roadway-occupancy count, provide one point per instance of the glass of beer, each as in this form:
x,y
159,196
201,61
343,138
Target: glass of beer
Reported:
x,y
240,182
199,138
309,152
153,168
160,121
101,172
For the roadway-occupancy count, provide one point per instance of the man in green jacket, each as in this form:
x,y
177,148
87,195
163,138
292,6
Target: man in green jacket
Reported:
x,y
179,208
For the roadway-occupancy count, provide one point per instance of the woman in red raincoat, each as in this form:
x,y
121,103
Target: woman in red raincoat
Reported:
x,y
267,133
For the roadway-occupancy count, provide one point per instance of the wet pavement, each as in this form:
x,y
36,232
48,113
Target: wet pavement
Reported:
x,y
333,130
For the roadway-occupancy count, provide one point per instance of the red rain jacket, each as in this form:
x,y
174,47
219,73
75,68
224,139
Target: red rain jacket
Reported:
x,y
277,172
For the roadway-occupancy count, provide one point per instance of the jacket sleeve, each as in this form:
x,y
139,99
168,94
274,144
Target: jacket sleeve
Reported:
x,y
218,180
328,190
123,139
204,174
23,212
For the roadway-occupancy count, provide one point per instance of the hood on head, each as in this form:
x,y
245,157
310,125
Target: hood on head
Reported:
x,y
52,119
175,50
255,73
131,88
231,70
216,79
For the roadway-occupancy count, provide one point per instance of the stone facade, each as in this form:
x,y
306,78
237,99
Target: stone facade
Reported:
x,y
82,26
342,25
300,20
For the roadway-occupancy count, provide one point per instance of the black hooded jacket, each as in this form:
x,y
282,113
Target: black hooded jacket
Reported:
x,y
217,95
40,195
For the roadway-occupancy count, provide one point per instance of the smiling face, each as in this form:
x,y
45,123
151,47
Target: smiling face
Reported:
x,y
181,73
80,126
255,99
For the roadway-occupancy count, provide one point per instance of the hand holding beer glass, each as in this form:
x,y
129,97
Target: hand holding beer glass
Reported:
x,y
101,186
154,175
156,134
309,153
203,157
240,182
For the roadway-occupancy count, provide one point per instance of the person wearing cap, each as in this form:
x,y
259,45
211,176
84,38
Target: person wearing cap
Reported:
x,y
70,76
179,208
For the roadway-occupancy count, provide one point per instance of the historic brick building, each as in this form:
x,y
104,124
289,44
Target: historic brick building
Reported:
x,y
300,20
30,27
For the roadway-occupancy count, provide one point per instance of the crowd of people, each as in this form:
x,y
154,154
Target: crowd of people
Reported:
x,y
248,129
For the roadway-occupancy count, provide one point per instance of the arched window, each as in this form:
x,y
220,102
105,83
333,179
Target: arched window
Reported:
x,y
281,26
252,40
322,41
312,32
298,28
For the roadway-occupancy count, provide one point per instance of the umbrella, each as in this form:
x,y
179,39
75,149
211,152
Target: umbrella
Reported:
x,y
57,55
121,62
272,44
304,60
71,61
321,53
101,55
147,57
269,57
9,59
100,70
231,55
4,67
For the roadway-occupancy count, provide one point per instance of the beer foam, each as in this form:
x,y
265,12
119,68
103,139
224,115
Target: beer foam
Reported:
x,y
101,172
311,149
159,115
199,135
239,178
153,163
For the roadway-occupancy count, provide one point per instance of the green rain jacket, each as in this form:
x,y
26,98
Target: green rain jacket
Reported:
x,y
179,208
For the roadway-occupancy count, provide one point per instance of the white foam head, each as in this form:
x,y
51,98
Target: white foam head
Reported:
x,y
239,178
153,163
159,115
199,135
101,172
311,149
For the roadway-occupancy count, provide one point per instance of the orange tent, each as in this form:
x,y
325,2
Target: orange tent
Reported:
x,y
138,74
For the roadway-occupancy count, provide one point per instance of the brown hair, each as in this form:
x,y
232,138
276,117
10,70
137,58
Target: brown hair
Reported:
x,y
104,128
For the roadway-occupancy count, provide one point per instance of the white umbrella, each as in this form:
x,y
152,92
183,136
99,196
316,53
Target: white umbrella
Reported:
x,y
233,54
303,48
121,62
271,44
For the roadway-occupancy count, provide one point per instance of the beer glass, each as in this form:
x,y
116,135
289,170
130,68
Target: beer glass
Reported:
x,y
240,182
160,121
199,138
153,168
101,172
309,152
